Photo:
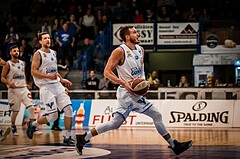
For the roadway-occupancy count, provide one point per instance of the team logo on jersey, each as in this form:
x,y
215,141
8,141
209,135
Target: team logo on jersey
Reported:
x,y
136,57
135,71
29,95
50,105
11,104
44,55
128,53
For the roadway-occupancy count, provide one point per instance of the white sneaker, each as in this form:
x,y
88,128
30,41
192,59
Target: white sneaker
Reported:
x,y
5,133
38,132
15,133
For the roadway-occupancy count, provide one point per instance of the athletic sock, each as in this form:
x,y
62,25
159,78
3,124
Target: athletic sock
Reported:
x,y
88,136
35,123
171,143
68,134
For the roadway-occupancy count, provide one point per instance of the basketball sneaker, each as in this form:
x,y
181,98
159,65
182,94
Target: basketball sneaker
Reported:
x,y
68,141
30,129
80,142
4,133
14,130
180,146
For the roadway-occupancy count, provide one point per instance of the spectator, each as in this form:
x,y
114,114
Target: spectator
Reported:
x,y
138,17
11,39
183,82
163,15
150,16
192,15
106,10
89,24
106,84
92,82
65,41
153,80
177,16
119,13
26,53
47,28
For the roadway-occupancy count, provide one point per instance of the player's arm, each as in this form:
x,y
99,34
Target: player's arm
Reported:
x,y
116,57
4,80
35,68
2,62
65,81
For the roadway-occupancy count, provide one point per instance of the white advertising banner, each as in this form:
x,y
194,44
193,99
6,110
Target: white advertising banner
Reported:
x,y
146,32
236,115
177,33
101,111
5,114
197,113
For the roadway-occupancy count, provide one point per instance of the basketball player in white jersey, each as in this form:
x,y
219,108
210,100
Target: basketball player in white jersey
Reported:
x,y
128,60
52,93
4,132
13,75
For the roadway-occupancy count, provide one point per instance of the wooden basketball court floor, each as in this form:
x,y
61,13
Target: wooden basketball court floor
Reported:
x,y
131,143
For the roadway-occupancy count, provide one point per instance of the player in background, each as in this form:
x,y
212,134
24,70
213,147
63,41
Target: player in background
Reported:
x,y
53,96
4,132
13,75
127,59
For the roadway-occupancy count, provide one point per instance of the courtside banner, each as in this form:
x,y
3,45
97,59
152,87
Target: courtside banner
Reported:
x,y
146,32
5,114
197,113
101,112
177,33
236,114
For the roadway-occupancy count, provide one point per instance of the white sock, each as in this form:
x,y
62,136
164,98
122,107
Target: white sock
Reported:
x,y
171,143
88,136
35,123
68,133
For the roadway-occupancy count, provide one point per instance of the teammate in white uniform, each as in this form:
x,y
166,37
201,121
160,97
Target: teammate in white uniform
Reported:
x,y
13,75
128,60
4,132
52,92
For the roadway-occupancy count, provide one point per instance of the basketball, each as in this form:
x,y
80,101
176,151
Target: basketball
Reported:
x,y
140,86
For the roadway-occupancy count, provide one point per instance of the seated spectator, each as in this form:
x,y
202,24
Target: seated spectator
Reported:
x,y
106,84
183,82
138,17
218,83
210,81
92,82
163,15
153,80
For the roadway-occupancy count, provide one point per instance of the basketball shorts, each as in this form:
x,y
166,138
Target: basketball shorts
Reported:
x,y
17,96
53,97
127,102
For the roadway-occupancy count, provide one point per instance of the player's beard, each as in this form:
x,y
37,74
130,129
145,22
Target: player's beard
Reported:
x,y
47,46
134,41
15,56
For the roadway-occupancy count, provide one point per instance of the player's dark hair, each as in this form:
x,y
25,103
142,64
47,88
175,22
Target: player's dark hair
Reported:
x,y
12,47
125,31
41,34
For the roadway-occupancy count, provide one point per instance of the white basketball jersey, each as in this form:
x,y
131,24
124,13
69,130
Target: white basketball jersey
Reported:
x,y
48,65
133,65
16,73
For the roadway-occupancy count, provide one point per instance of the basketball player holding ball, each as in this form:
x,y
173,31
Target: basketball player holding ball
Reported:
x,y
127,59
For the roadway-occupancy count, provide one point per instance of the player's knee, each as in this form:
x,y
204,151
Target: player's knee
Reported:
x,y
68,111
116,125
52,117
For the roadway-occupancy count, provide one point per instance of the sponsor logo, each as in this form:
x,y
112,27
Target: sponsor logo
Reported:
x,y
199,115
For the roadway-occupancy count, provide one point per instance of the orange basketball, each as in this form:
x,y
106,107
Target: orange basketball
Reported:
x,y
140,86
